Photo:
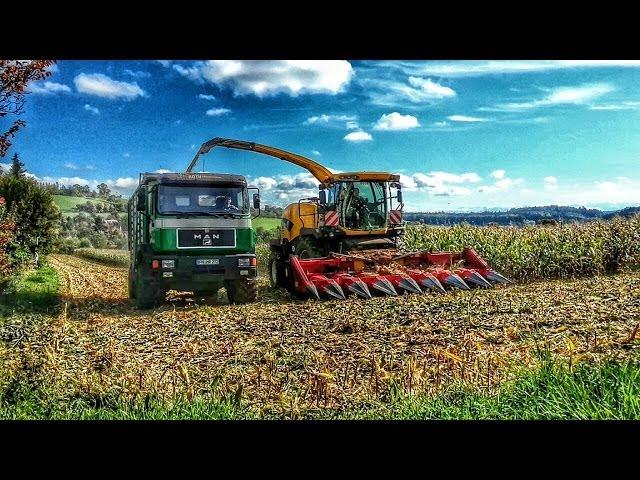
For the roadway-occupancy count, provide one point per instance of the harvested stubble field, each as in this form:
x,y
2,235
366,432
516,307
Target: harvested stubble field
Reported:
x,y
293,358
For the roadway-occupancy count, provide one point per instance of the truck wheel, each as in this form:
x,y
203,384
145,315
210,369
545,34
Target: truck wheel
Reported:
x,y
276,272
132,291
145,296
243,290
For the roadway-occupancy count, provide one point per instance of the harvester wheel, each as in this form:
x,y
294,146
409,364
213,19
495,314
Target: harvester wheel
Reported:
x,y
243,290
307,248
277,275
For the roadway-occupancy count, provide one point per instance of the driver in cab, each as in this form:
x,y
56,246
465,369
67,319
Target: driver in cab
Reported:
x,y
225,204
360,212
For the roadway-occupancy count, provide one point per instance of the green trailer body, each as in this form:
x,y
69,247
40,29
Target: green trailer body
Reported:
x,y
183,237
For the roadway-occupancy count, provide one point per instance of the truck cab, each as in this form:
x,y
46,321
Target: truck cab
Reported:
x,y
191,232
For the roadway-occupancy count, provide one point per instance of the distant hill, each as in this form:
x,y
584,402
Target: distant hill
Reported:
x,y
518,216
625,212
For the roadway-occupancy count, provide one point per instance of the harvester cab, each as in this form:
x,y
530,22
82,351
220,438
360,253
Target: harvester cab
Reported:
x,y
345,240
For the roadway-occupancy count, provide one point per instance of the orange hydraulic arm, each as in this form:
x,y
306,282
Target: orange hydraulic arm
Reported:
x,y
320,172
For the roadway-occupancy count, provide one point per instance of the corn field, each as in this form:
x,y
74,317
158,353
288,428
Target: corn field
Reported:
x,y
118,258
537,252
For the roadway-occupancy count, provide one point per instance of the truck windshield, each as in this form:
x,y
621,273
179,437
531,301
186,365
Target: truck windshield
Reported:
x,y
174,200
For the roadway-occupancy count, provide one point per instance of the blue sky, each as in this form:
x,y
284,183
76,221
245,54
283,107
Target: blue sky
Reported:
x,y
464,135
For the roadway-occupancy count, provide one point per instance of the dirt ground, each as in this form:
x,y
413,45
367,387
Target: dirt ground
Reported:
x,y
284,355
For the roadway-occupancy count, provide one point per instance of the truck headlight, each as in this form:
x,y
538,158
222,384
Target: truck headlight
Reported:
x,y
244,262
168,264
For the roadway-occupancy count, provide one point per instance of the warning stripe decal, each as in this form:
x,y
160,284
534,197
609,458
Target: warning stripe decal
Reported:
x,y
395,217
331,219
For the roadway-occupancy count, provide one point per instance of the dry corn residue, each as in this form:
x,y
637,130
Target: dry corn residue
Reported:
x,y
288,356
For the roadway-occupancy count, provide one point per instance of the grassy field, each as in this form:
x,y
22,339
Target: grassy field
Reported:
x,y
266,223
33,290
67,203
552,392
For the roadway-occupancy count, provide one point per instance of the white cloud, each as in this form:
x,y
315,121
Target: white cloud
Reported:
x,y
550,183
70,181
70,165
502,183
91,109
506,183
281,187
162,170
126,183
617,106
333,120
416,91
216,112
437,178
408,183
578,95
164,63
358,136
440,184
499,67
465,118
206,97
266,183
137,74
269,77
396,121
48,88
102,86
440,124
316,153
431,89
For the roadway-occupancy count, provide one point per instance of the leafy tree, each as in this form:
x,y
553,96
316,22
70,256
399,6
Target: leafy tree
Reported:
x,y
15,75
31,207
7,235
17,167
104,190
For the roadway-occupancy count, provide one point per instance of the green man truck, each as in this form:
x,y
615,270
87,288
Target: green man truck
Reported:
x,y
191,232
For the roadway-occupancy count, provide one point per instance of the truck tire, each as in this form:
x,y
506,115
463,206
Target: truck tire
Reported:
x,y
242,290
145,297
132,291
277,273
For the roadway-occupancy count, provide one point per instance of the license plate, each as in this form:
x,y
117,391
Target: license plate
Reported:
x,y
207,261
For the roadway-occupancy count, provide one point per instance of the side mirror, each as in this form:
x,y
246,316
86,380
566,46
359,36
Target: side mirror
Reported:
x,y
399,196
141,204
256,201
322,195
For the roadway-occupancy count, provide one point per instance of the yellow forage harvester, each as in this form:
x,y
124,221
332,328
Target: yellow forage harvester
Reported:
x,y
345,240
